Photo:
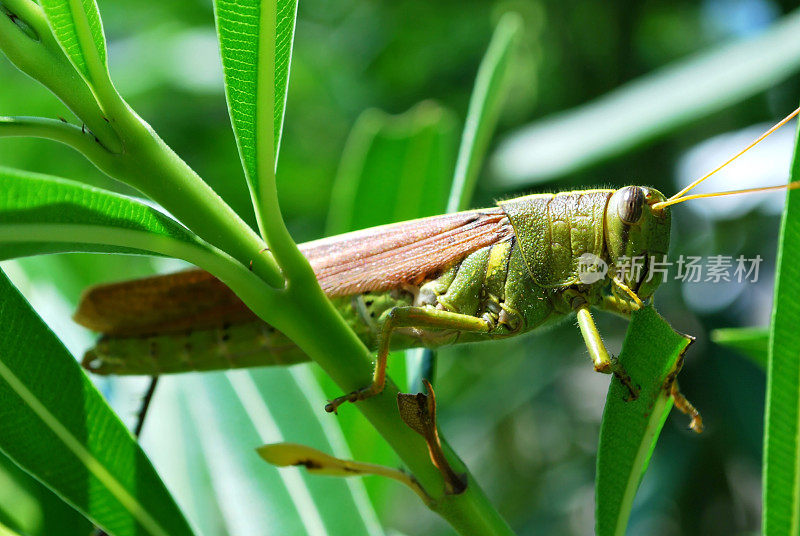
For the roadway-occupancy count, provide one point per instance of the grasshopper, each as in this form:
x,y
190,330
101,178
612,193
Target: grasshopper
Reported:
x,y
470,276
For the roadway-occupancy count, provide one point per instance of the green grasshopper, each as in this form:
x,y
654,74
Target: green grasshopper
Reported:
x,y
471,276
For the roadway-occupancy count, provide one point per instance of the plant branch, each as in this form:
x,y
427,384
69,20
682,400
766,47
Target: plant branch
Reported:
x,y
40,57
156,170
485,105
79,139
31,14
152,167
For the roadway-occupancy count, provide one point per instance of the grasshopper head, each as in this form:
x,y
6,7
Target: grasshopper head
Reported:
x,y
635,233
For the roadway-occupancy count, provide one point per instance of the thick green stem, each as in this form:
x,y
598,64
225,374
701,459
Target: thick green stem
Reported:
x,y
135,154
152,167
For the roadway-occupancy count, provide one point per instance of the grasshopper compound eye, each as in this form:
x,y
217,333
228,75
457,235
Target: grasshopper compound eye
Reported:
x,y
630,205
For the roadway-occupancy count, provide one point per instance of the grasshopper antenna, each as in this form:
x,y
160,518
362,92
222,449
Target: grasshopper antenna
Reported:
x,y
681,196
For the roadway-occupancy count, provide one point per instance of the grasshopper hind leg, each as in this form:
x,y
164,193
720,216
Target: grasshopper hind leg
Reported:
x,y
408,317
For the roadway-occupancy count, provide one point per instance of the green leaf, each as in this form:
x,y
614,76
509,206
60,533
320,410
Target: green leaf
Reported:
x,y
236,412
77,26
255,40
59,428
181,446
485,105
630,429
394,168
649,107
42,214
782,421
28,507
5,531
752,342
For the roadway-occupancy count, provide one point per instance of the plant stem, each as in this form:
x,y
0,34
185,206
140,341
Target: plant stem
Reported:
x,y
152,167
53,129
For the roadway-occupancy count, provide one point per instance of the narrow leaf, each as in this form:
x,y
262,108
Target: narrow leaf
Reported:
x,y
41,214
315,461
77,26
319,463
752,342
256,45
628,434
485,105
58,427
782,421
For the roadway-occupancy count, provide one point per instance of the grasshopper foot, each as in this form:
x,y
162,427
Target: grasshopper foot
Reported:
x,y
360,394
615,368
625,379
633,390
333,405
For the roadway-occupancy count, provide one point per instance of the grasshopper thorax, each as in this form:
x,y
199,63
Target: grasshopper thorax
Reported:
x,y
636,235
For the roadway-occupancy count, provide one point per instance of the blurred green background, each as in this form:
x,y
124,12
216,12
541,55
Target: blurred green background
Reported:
x,y
524,414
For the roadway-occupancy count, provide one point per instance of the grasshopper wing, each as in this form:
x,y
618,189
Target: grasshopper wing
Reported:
x,y
191,321
402,254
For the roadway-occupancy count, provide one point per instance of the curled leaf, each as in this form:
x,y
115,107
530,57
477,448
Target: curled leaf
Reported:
x,y
419,413
317,462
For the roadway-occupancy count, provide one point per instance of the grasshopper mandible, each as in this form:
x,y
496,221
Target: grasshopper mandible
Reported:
x,y
470,276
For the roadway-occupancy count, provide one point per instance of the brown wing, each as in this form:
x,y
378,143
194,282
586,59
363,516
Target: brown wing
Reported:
x,y
376,259
179,302
407,253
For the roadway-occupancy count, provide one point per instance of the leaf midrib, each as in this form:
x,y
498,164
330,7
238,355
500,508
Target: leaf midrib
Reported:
x,y
83,455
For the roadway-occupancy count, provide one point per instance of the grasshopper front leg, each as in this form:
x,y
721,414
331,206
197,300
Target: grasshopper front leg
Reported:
x,y
603,362
407,317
